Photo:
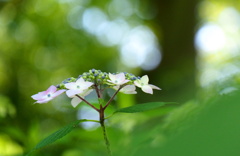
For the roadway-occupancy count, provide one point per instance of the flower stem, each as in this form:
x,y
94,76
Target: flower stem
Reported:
x,y
101,119
88,103
97,90
106,139
112,97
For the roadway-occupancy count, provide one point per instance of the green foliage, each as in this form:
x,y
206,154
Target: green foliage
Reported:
x,y
143,107
214,132
57,135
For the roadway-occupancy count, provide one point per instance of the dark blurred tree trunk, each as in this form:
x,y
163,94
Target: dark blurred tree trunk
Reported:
x,y
176,21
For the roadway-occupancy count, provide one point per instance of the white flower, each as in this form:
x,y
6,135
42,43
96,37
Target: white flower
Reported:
x,y
76,100
143,84
77,87
117,79
128,89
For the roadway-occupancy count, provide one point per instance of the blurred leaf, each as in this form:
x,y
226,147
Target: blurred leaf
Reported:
x,y
57,135
214,132
143,107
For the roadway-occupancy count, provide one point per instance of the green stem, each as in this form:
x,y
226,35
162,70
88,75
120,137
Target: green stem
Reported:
x,y
87,102
106,139
101,120
112,97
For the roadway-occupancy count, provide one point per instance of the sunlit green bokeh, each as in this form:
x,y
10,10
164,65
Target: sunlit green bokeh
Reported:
x,y
188,48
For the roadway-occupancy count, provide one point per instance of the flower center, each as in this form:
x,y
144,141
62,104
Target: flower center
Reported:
x,y
116,81
142,84
78,87
49,95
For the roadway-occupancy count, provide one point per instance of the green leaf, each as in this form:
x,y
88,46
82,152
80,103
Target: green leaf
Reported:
x,y
143,107
57,135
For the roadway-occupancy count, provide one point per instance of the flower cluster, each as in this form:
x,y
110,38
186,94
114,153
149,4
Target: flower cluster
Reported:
x,y
78,88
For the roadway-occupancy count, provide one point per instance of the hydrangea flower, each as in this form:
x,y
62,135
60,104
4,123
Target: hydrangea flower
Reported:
x,y
117,79
49,94
77,87
128,89
143,84
75,100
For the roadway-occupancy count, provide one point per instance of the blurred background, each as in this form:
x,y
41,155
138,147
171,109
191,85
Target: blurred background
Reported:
x,y
189,48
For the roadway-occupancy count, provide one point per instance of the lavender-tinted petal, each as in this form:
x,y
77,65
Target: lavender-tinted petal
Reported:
x,y
58,93
51,89
120,77
44,100
39,96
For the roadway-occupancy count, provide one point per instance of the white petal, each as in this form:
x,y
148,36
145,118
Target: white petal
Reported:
x,y
71,85
85,85
138,83
112,77
80,81
111,82
129,89
71,93
144,79
86,92
154,87
147,89
123,82
132,92
75,101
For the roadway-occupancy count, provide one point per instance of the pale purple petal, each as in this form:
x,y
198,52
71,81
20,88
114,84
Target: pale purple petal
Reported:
x,y
58,93
147,89
51,89
154,87
120,77
145,79
44,100
138,83
70,85
39,96
71,93
75,101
